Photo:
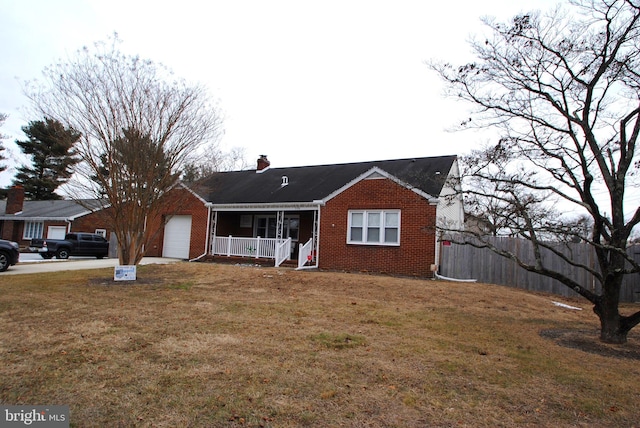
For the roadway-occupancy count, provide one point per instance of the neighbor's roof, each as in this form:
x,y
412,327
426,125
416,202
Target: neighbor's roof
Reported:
x,y
315,183
51,210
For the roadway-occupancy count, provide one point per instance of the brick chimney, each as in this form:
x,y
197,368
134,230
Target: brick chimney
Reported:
x,y
15,200
263,163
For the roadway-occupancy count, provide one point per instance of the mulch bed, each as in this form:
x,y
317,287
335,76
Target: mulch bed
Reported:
x,y
589,341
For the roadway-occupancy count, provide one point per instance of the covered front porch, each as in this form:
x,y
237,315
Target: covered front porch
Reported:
x,y
285,233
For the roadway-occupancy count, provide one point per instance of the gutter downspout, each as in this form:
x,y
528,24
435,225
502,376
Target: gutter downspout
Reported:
x,y
317,246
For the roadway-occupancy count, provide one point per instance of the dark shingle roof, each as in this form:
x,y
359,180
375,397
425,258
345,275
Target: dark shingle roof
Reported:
x,y
57,209
313,183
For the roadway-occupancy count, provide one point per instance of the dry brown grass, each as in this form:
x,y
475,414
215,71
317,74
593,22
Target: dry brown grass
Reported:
x,y
192,345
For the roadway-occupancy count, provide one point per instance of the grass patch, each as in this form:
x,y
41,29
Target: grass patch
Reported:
x,y
213,345
182,285
338,340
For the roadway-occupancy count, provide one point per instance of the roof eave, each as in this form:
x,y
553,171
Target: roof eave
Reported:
x,y
34,218
270,206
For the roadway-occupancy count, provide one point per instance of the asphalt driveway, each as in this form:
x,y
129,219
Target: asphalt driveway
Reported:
x,y
33,263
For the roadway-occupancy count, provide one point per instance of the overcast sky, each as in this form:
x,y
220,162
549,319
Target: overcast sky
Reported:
x,y
304,82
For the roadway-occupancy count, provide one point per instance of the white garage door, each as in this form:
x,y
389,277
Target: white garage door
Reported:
x,y
177,237
56,232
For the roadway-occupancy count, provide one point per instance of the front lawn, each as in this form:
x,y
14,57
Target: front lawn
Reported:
x,y
208,345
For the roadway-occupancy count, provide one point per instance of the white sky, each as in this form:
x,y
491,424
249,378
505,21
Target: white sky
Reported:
x,y
304,82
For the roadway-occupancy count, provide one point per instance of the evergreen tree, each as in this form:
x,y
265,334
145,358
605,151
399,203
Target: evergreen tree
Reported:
x,y
50,146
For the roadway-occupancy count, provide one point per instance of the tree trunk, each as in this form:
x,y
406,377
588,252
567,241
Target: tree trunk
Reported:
x,y
613,328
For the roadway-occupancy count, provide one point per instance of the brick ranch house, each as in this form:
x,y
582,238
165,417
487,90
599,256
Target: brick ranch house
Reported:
x,y
21,220
375,216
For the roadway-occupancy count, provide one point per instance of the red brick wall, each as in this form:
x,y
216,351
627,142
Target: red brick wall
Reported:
x,y
15,200
90,222
229,224
416,252
13,231
182,202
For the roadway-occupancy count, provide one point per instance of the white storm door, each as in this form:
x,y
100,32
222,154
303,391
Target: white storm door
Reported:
x,y
177,237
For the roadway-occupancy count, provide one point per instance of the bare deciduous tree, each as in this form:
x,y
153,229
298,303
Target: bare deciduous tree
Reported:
x,y
563,91
139,126
212,159
3,117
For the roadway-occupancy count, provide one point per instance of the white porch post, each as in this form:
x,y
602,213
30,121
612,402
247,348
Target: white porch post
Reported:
x,y
280,226
279,235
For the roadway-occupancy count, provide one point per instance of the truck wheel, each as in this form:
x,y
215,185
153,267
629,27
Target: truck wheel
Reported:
x,y
62,253
4,262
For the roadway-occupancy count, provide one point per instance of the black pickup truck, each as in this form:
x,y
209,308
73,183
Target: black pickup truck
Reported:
x,y
73,244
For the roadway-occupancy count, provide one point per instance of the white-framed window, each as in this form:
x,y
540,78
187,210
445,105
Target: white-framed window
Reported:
x,y
246,220
102,232
32,230
374,227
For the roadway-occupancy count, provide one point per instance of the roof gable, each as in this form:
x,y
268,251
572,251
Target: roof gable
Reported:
x,y
310,184
375,173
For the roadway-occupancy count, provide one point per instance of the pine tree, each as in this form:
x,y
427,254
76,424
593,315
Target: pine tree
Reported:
x,y
50,146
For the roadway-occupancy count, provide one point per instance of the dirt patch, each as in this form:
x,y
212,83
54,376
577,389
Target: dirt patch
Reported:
x,y
112,282
588,341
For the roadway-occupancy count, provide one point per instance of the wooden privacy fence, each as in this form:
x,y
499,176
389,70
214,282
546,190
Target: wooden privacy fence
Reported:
x,y
467,262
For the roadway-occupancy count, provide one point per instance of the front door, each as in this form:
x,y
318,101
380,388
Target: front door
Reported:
x,y
265,227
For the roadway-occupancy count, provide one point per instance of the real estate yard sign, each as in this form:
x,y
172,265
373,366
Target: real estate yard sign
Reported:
x,y
124,273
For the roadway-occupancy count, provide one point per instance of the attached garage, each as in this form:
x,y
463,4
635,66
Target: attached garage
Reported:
x,y
177,237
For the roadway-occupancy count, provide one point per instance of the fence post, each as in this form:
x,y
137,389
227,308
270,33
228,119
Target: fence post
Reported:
x,y
229,247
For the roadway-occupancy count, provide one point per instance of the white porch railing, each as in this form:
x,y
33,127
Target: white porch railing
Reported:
x,y
266,248
283,251
305,253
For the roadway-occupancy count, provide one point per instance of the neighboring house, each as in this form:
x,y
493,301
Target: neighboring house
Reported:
x,y
22,220
369,216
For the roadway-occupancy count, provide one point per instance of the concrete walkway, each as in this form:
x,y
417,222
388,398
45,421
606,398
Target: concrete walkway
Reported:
x,y
33,263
